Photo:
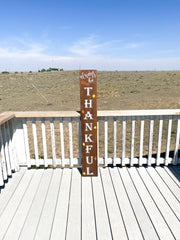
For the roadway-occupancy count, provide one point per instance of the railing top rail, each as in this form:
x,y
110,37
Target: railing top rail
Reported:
x,y
48,114
157,112
4,117
104,113
76,114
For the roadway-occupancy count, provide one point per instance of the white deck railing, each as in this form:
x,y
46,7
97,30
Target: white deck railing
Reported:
x,y
53,138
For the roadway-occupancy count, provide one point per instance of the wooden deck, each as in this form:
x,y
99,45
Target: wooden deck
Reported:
x,y
121,203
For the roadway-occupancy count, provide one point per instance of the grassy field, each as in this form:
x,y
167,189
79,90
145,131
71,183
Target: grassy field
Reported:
x,y
59,91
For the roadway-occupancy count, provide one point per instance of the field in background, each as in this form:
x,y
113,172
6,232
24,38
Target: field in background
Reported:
x,y
57,91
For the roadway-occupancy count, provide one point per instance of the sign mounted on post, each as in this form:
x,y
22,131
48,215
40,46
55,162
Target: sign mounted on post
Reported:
x,y
88,95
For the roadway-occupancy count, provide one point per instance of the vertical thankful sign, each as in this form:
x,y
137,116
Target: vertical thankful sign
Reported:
x,y
88,94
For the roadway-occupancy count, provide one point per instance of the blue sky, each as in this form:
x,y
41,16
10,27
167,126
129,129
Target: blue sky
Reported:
x,y
100,34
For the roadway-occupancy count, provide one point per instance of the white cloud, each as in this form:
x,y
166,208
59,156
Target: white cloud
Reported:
x,y
90,46
133,45
33,58
84,54
121,64
85,47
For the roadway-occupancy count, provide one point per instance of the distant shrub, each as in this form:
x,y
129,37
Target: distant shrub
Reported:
x,y
39,71
5,72
43,70
30,71
61,69
21,72
16,72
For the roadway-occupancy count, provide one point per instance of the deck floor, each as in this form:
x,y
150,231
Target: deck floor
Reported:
x,y
121,203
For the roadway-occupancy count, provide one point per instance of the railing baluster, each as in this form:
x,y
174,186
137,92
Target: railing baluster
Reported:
x,y
79,137
14,145
26,142
1,173
70,143
151,129
123,141
141,142
10,147
159,142
15,142
43,127
105,142
115,136
35,143
53,143
132,141
175,158
6,148
4,167
62,142
98,142
168,141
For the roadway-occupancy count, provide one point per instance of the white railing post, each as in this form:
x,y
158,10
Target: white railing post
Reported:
x,y
168,140
13,130
3,158
98,143
175,158
1,173
79,138
132,141
62,142
43,128
151,129
11,149
70,142
115,136
53,143
141,142
35,142
18,139
26,142
6,149
159,142
105,141
123,141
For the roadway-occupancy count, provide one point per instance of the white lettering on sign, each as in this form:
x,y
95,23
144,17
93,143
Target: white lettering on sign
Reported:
x,y
88,92
88,138
88,126
88,172
88,148
88,115
91,160
88,104
90,76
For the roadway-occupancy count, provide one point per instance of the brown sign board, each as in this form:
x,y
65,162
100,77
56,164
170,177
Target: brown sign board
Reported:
x,y
88,96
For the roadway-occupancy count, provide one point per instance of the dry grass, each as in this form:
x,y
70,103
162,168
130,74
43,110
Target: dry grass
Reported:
x,y
116,91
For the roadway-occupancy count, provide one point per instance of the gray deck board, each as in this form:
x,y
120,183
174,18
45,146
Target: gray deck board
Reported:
x,y
115,216
45,223
10,188
17,222
88,226
145,224
121,203
35,212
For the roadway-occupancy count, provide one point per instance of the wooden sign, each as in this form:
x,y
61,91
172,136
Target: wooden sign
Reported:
x,y
88,95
